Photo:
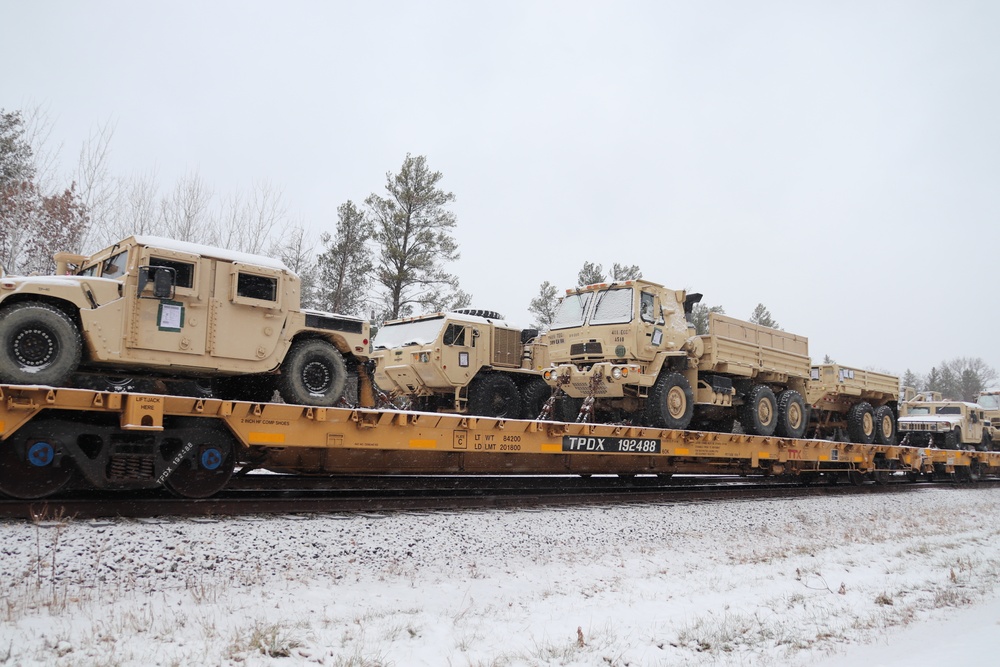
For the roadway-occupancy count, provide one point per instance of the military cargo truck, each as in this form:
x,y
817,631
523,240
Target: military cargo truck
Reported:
x,y
626,351
156,307
928,421
467,361
852,404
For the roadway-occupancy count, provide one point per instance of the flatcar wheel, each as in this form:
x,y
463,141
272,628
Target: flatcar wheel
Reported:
x,y
31,469
204,469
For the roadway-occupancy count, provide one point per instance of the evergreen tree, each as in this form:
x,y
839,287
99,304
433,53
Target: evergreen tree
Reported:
x,y
543,306
413,233
345,265
700,315
762,316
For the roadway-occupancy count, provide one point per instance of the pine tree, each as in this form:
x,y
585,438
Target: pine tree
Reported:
x,y
413,233
345,266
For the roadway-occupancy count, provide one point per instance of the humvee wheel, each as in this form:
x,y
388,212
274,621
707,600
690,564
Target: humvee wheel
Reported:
x,y
31,468
494,395
885,426
671,402
791,415
861,423
759,414
39,344
207,462
534,393
313,373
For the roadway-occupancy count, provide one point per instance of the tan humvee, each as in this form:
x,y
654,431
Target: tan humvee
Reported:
x,y
850,403
931,422
630,351
468,361
149,305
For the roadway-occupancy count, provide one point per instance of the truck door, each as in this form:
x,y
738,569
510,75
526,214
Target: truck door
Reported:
x,y
248,311
460,345
650,324
177,324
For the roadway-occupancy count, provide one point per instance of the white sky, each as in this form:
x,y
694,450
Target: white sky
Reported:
x,y
836,161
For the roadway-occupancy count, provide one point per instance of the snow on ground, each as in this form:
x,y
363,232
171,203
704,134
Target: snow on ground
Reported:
x,y
752,582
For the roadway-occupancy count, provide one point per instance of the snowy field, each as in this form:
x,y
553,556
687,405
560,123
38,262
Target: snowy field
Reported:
x,y
885,579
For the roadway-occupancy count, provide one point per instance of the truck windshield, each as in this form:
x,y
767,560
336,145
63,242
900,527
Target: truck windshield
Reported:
x,y
613,307
420,332
949,410
919,411
990,401
570,311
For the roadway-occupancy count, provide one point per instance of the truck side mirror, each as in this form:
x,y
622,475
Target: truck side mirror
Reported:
x,y
163,281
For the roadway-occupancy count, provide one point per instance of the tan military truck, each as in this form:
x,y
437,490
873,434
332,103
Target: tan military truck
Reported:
x,y
467,361
852,404
156,307
929,421
627,352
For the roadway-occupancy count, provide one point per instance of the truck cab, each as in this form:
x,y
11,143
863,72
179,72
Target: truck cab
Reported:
x,y
469,361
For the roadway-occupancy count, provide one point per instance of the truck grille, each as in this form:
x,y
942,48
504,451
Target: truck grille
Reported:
x,y
591,349
918,426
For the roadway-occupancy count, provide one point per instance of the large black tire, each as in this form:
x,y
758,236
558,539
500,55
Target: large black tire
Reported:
x,y
534,393
671,402
861,423
792,415
567,409
39,344
952,439
759,413
313,373
885,426
494,395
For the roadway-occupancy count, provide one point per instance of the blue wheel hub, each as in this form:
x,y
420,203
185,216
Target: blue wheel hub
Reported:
x,y
41,454
211,458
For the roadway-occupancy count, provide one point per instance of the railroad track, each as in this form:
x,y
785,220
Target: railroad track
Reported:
x,y
279,494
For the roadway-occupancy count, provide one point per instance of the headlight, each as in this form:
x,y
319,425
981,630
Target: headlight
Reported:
x,y
616,373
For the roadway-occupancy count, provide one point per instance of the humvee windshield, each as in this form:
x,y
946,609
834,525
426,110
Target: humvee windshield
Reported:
x,y
570,311
401,334
949,410
919,411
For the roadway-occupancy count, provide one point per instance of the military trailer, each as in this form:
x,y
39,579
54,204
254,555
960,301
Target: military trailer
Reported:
x,y
626,351
186,314
467,361
929,421
852,404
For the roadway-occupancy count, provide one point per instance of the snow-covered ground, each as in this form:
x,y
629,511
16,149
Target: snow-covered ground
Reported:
x,y
903,578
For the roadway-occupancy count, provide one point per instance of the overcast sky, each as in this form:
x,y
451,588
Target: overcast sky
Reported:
x,y
837,161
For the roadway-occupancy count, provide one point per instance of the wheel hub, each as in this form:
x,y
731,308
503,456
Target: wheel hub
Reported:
x,y
794,416
34,347
676,402
868,424
316,377
764,412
